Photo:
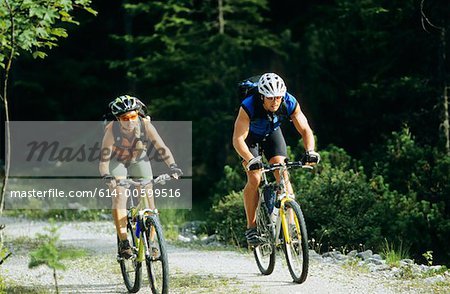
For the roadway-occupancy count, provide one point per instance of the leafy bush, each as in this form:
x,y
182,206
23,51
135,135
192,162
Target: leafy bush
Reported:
x,y
342,206
233,179
50,253
2,285
228,219
422,175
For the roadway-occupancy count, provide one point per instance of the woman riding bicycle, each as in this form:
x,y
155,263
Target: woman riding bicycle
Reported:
x,y
258,123
124,153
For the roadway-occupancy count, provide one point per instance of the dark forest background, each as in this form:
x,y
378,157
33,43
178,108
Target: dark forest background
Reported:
x,y
369,75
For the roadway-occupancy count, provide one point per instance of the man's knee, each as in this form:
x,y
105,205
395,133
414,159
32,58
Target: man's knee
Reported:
x,y
253,179
277,159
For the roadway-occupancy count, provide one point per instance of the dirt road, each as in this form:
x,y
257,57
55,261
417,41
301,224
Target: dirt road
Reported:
x,y
192,271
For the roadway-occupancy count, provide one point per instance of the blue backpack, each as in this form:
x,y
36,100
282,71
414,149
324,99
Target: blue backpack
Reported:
x,y
248,87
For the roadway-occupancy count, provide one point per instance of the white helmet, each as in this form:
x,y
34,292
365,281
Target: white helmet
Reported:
x,y
124,104
271,85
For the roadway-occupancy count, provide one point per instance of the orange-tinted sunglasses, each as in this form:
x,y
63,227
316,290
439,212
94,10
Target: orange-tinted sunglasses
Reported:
x,y
128,117
278,98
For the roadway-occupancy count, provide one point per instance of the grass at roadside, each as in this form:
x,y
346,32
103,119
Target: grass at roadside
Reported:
x,y
189,283
17,289
25,244
7,286
394,253
419,285
61,214
199,245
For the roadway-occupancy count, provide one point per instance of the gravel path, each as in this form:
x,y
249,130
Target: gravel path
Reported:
x,y
99,272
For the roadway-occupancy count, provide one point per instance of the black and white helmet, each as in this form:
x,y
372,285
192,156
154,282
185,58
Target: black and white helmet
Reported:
x,y
271,85
124,104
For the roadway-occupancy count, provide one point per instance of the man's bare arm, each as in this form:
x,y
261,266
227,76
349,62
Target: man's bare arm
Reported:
x,y
302,126
241,130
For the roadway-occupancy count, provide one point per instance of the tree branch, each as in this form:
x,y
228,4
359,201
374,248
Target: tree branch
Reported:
x,y
424,19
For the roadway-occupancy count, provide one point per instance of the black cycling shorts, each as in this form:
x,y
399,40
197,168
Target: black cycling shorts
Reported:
x,y
272,145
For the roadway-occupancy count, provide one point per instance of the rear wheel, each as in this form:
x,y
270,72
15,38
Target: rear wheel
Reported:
x,y
264,253
157,261
130,268
297,250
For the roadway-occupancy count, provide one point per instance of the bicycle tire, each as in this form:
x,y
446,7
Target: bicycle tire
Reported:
x,y
297,251
264,253
128,266
157,266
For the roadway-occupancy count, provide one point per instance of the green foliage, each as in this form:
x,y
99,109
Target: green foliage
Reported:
x,y
421,174
49,252
33,26
172,220
356,71
341,205
62,214
402,198
394,253
2,285
233,180
349,63
191,68
228,219
429,257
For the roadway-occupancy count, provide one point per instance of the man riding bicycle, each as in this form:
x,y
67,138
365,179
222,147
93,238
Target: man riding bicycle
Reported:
x,y
258,124
124,153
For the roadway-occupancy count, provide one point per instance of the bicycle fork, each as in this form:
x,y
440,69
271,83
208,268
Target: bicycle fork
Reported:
x,y
284,222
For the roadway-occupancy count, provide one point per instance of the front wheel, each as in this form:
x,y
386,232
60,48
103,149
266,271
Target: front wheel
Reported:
x,y
157,261
131,268
264,253
296,250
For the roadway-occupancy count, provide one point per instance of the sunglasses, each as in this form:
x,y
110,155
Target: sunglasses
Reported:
x,y
128,117
278,98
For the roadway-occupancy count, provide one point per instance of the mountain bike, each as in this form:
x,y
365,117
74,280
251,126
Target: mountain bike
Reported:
x,y
283,227
147,242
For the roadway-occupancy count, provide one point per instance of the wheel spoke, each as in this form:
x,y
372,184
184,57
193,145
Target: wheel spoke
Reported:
x,y
296,251
157,263
131,268
265,253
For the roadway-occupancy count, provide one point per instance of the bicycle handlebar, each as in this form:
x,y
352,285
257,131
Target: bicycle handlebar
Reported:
x,y
289,164
161,179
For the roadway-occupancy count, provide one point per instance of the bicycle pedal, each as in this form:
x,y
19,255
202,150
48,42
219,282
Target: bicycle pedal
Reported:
x,y
120,258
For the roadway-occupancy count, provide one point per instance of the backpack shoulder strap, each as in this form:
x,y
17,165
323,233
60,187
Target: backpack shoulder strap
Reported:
x,y
116,133
143,135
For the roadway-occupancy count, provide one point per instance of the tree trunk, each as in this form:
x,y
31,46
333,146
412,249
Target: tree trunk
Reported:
x,y
446,124
221,20
5,102
56,281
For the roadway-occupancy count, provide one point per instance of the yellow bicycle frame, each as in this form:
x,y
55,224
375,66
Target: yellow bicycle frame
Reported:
x,y
284,224
139,241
